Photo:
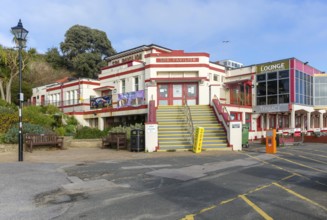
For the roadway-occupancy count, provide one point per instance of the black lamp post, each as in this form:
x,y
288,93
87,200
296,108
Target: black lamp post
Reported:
x,y
20,39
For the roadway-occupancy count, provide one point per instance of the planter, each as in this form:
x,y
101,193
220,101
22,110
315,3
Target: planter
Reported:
x,y
315,139
96,143
8,147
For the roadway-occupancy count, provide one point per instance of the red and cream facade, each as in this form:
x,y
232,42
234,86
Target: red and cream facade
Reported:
x,y
134,77
151,72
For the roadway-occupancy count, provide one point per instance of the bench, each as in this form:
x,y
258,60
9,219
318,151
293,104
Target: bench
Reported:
x,y
42,140
115,140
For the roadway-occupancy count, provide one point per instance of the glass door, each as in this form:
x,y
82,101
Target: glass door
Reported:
x,y
191,94
163,94
177,94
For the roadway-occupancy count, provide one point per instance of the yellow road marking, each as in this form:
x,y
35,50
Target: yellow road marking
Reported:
x,y
188,217
207,209
276,166
256,208
300,196
319,155
191,216
300,164
319,161
309,158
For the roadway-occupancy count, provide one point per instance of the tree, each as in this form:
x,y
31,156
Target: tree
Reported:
x,y
84,50
53,57
9,69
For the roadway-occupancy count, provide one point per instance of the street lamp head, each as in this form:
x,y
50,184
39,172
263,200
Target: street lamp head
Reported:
x,y
20,33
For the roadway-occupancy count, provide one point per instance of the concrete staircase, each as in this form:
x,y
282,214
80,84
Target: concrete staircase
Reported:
x,y
173,132
214,134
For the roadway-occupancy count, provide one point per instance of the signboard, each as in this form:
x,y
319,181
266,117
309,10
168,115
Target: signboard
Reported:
x,y
273,66
100,102
177,60
138,56
271,108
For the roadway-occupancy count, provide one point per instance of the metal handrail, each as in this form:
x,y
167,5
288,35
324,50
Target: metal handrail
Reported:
x,y
189,121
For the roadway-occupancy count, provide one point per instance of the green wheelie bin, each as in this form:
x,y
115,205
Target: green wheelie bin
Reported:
x,y
245,135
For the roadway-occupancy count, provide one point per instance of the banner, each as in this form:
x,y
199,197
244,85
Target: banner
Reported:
x,y
100,102
131,98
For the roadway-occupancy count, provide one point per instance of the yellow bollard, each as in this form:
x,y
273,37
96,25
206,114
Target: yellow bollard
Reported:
x,y
198,139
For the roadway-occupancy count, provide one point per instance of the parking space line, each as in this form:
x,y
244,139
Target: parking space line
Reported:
x,y
281,168
276,166
256,208
300,196
305,152
319,161
300,164
191,216
298,155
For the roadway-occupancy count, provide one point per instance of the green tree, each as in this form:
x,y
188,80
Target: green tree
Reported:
x,y
53,57
84,50
9,69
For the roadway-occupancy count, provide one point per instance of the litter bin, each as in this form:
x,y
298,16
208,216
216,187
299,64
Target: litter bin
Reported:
x,y
137,140
245,135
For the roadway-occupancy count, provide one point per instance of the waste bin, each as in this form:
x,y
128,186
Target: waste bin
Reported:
x,y
245,135
137,140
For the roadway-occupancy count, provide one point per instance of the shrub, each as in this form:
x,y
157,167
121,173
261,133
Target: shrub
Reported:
x,y
51,110
127,130
8,117
90,133
60,131
11,137
3,103
36,115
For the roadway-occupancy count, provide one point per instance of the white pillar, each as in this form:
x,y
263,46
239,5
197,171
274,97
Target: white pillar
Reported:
x,y
267,121
321,120
243,117
302,122
100,123
308,120
292,118
277,121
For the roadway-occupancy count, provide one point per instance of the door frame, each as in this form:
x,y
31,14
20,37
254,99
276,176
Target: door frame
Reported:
x,y
170,93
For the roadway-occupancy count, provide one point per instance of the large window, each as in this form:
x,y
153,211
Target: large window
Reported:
x,y
303,88
273,88
320,89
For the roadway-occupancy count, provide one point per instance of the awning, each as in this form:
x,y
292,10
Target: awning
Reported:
x,y
104,88
243,81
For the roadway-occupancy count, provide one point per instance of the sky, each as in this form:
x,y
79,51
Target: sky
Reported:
x,y
257,31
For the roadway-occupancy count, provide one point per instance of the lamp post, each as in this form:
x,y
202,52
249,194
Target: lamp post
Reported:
x,y
20,40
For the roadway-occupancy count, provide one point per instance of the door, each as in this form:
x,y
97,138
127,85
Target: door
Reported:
x,y
163,94
174,93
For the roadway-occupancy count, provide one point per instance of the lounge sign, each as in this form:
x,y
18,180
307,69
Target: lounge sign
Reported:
x,y
273,66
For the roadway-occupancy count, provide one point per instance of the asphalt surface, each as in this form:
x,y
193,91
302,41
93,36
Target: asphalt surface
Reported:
x,y
106,184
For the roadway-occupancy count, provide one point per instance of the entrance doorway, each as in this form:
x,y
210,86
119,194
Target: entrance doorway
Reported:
x,y
173,93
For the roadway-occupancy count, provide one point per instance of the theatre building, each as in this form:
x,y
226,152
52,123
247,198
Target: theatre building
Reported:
x,y
172,92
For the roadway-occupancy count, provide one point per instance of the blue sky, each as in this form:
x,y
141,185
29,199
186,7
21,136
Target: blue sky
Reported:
x,y
257,30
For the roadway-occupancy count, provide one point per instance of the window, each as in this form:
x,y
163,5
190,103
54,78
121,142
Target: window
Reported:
x,y
123,86
215,77
303,88
273,88
136,83
261,77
